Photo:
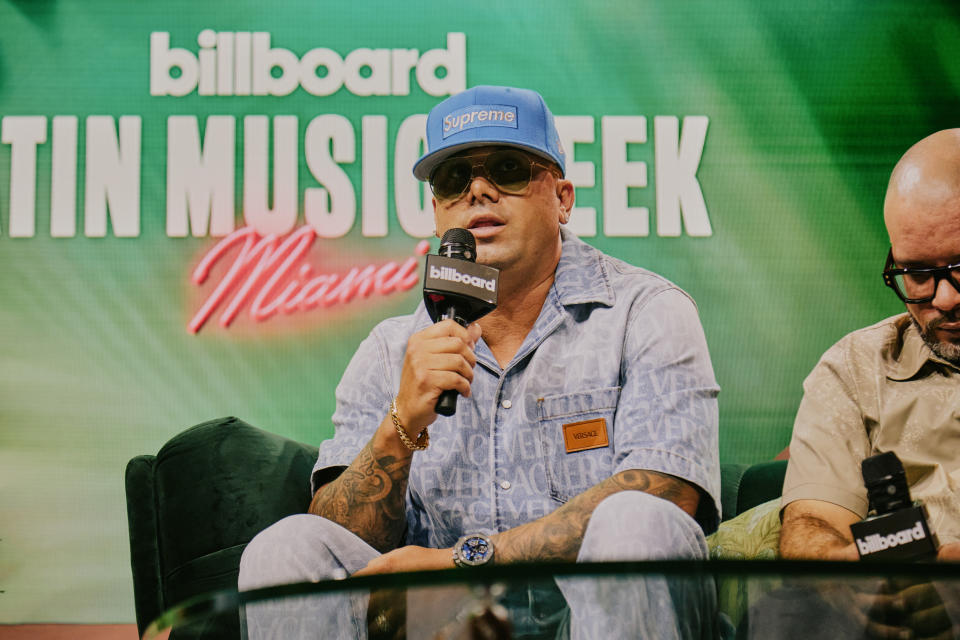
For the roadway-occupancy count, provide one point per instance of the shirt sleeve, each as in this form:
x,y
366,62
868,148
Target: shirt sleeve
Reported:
x,y
363,397
667,417
829,438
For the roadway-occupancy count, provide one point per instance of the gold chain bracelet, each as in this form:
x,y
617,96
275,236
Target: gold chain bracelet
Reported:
x,y
423,439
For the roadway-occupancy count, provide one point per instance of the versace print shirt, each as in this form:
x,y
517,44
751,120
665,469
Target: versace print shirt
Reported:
x,y
614,375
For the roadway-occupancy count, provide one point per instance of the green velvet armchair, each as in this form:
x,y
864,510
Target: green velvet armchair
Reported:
x,y
194,506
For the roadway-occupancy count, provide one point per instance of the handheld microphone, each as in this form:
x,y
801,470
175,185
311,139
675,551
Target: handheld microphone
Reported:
x,y
456,287
896,528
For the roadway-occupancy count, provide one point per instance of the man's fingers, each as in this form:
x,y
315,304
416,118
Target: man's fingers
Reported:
x,y
370,569
434,375
475,332
439,358
874,628
437,372
452,329
880,605
449,380
449,344
871,611
929,623
445,353
896,584
948,634
923,609
880,631
458,363
916,611
921,596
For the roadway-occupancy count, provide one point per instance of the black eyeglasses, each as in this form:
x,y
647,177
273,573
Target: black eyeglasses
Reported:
x,y
510,171
915,286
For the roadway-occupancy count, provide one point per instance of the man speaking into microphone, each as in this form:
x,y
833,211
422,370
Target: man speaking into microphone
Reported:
x,y
586,422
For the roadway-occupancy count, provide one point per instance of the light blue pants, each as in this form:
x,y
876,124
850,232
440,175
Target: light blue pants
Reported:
x,y
629,525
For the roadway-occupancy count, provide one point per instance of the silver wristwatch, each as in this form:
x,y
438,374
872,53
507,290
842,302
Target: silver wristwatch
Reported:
x,y
473,550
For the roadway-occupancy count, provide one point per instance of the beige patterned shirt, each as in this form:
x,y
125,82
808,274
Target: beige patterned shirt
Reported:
x,y
880,389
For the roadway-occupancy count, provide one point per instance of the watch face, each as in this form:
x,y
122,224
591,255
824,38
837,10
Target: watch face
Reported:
x,y
474,550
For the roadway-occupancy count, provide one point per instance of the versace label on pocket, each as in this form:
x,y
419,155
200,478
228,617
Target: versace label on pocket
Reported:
x,y
586,434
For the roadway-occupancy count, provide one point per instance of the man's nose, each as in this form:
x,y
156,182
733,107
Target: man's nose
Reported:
x,y
481,188
947,296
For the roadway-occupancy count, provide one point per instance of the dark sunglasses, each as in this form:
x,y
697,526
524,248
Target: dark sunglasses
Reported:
x,y
510,171
918,285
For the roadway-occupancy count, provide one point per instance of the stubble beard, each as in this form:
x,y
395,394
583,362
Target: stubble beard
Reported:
x,y
946,350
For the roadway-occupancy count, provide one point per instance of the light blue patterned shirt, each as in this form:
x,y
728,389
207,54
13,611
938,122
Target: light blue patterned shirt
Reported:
x,y
612,341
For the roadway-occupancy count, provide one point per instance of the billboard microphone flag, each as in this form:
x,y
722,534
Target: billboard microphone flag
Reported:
x,y
896,528
456,288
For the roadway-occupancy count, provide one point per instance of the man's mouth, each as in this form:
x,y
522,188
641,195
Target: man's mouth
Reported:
x,y
484,222
944,323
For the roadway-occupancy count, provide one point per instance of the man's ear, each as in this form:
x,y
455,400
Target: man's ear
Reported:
x,y
565,194
436,220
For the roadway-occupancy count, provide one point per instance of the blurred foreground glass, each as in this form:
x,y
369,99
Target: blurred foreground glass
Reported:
x,y
755,599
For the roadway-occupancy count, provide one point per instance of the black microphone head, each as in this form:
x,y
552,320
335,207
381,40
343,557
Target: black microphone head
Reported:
x,y
458,243
880,466
886,483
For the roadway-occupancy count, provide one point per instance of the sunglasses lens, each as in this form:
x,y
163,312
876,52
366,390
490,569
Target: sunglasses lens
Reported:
x,y
451,178
509,170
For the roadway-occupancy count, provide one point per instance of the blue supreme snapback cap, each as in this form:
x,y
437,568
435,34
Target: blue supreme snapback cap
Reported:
x,y
487,115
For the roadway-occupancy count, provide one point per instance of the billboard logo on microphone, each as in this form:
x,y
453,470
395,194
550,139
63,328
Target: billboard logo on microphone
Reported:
x,y
877,542
452,275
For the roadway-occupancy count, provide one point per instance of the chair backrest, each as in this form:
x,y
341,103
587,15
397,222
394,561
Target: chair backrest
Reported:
x,y
193,507
744,486
761,482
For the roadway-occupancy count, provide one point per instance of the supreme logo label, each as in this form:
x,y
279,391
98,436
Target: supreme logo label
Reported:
x,y
586,434
479,115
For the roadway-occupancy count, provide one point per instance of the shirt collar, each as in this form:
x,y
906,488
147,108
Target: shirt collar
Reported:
x,y
581,276
907,353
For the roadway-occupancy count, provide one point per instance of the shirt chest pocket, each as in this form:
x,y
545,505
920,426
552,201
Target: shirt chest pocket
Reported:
x,y
570,423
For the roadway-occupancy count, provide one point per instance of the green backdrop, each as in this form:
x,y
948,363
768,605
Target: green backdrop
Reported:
x,y
807,106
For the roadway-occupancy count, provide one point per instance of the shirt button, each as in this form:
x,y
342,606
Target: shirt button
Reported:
x,y
506,404
505,485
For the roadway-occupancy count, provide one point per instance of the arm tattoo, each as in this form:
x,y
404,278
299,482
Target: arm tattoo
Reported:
x,y
368,498
557,536
680,492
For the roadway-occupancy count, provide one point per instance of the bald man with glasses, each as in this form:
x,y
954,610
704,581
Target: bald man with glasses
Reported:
x,y
894,386
586,427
